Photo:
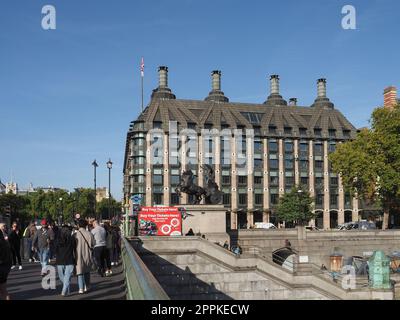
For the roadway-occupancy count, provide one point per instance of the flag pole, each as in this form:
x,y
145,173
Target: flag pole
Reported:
x,y
142,76
142,91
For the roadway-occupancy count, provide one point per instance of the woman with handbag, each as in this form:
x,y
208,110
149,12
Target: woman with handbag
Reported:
x,y
84,252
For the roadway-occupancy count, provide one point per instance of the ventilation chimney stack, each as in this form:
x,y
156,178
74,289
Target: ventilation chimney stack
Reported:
x,y
162,92
275,99
293,102
322,100
390,97
216,94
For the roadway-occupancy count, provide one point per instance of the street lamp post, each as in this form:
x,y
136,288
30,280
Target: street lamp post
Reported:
x,y
95,165
109,166
60,216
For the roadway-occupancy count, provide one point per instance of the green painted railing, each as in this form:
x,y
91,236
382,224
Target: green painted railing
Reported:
x,y
140,282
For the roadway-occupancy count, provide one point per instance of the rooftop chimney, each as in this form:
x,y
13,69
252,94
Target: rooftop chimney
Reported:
x,y
390,97
322,100
275,98
216,94
293,102
162,92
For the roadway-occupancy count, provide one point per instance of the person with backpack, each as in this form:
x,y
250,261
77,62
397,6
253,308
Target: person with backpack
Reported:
x,y
5,265
84,253
15,243
65,257
41,243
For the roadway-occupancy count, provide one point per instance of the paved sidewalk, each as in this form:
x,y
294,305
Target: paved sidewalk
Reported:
x,y
26,284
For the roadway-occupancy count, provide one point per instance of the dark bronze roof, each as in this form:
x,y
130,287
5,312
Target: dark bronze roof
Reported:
x,y
307,122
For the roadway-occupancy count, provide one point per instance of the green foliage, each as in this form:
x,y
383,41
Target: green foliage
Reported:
x,y
53,204
295,206
370,164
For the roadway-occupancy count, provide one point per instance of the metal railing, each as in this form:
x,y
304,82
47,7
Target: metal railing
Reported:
x,y
140,282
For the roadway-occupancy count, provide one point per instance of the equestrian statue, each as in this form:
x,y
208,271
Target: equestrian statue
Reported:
x,y
210,193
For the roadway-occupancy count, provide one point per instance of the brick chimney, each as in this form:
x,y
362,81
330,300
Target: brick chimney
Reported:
x,y
390,97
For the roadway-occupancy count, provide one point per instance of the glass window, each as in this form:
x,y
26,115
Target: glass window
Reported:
x,y
332,133
319,199
258,163
157,124
157,179
289,181
288,146
243,198
274,198
242,180
272,129
319,165
317,132
274,180
273,164
303,131
272,146
226,179
304,181
287,130
174,199
258,147
158,198
289,164
226,198
258,180
174,180
303,165
258,199
334,181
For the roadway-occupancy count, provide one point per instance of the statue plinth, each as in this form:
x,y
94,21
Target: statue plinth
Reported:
x,y
207,219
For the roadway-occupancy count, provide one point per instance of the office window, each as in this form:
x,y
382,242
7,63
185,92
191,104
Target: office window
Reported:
x,y
332,147
226,179
242,198
258,199
319,199
273,164
258,180
289,164
319,165
303,131
287,130
333,199
157,179
273,180
226,198
334,181
317,132
258,163
318,148
332,133
319,182
274,199
242,180
288,146
272,129
272,146
289,181
158,198
258,147
174,199
303,165
304,181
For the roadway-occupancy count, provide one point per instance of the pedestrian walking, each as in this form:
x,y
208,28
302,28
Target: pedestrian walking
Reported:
x,y
109,248
84,253
99,234
41,243
29,234
5,265
65,257
15,243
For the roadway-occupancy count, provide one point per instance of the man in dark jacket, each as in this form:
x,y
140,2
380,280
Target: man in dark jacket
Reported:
x,y
15,242
5,266
41,242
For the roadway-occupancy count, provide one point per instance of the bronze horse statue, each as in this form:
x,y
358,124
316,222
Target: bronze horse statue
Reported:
x,y
210,193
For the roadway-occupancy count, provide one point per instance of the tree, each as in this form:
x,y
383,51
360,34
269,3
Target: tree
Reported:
x,y
370,164
295,206
103,205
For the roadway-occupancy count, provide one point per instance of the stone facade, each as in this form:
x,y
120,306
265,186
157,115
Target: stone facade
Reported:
x,y
259,151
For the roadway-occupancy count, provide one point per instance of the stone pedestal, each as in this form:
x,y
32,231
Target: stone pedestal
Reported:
x,y
209,220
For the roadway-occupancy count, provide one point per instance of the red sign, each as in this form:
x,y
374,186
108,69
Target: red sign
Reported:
x,y
160,221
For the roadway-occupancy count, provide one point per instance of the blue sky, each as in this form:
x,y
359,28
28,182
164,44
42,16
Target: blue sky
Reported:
x,y
67,95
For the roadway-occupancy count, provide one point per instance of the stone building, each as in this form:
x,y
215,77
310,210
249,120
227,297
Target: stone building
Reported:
x,y
258,151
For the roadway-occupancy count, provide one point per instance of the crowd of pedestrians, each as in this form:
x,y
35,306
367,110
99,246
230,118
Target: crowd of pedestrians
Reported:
x,y
77,248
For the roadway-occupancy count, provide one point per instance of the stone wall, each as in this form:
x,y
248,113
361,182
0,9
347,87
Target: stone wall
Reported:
x,y
319,245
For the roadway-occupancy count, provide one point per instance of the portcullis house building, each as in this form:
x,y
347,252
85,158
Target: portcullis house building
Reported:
x,y
258,152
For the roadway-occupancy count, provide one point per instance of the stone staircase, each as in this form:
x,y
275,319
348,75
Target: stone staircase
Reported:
x,y
193,268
